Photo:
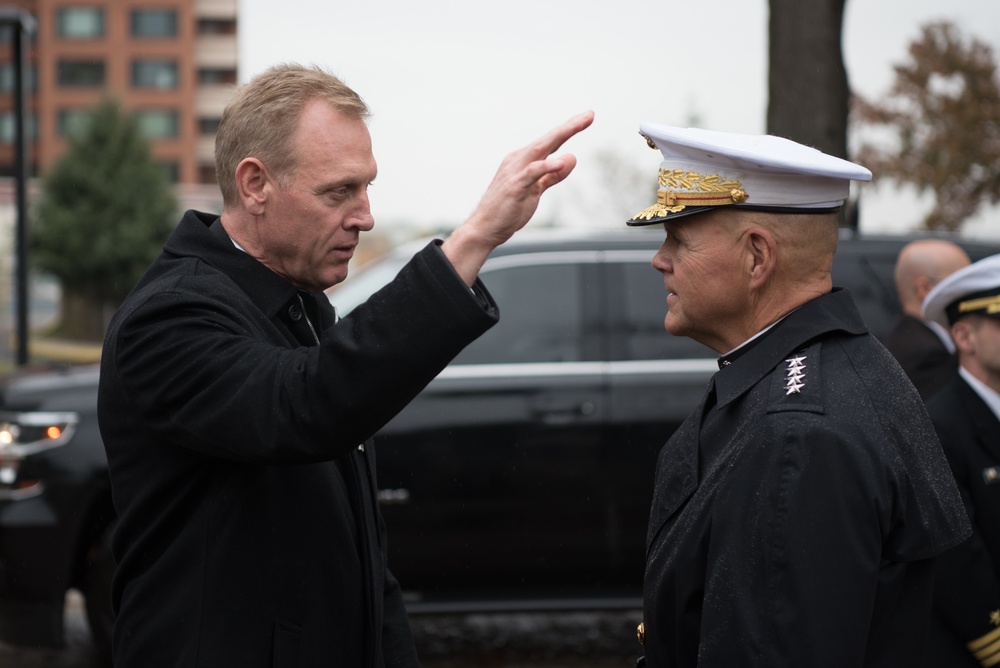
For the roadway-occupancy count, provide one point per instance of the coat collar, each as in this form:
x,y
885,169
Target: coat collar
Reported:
x,y
834,311
201,235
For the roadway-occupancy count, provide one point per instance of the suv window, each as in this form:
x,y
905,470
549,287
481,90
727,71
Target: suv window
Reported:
x,y
644,306
541,309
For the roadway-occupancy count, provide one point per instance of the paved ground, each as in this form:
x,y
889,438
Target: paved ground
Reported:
x,y
78,653
549,640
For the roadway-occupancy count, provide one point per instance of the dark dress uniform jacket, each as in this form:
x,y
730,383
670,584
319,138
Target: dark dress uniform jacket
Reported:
x,y
967,589
797,526
924,358
232,409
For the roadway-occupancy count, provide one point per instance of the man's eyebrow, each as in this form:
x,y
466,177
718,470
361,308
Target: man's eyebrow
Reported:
x,y
343,183
335,185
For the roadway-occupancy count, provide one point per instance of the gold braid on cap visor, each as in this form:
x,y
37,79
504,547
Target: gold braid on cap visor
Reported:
x,y
989,304
680,188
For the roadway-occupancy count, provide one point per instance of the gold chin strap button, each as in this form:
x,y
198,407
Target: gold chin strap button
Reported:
x,y
640,633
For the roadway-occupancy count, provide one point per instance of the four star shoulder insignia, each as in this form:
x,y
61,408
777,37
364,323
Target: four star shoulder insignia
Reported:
x,y
796,374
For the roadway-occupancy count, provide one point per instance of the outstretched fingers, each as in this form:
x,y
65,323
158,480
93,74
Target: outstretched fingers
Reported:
x,y
550,171
536,161
553,140
512,197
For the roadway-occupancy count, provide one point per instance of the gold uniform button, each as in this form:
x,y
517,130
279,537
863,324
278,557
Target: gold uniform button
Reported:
x,y
640,632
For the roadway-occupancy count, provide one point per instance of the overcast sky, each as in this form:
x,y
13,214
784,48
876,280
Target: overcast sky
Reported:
x,y
456,84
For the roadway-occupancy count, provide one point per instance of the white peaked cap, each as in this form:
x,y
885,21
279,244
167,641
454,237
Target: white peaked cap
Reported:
x,y
704,169
972,289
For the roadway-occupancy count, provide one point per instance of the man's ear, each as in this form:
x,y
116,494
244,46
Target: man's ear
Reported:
x,y
961,334
252,180
923,287
760,246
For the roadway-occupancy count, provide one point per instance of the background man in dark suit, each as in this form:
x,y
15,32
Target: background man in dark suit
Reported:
x,y
923,347
965,629
237,413
797,512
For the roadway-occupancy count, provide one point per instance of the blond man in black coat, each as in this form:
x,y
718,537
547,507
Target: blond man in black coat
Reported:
x,y
237,414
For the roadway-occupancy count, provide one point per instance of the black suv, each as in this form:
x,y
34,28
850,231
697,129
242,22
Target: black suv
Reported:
x,y
520,478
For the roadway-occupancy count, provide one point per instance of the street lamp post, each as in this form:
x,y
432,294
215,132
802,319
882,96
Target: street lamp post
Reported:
x,y
24,25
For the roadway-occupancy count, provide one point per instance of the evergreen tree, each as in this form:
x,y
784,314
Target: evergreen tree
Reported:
x,y
106,210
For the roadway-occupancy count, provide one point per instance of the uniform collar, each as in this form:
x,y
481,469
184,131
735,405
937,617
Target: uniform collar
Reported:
x,y
739,350
985,392
834,311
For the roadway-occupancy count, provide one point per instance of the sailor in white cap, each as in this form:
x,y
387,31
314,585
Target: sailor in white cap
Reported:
x,y
965,627
797,512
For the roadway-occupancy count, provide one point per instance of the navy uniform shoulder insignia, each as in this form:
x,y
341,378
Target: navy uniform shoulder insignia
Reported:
x,y
795,382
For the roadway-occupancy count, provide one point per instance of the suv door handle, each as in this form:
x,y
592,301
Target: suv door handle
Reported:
x,y
556,410
393,497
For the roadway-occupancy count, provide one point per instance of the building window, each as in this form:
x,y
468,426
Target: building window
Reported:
x,y
216,26
73,122
80,22
154,23
208,76
157,123
208,126
160,74
7,127
7,78
83,73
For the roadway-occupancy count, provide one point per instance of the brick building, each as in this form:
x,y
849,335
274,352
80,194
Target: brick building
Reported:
x,y
172,63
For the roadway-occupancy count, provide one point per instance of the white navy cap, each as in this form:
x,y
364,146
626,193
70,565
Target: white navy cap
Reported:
x,y
704,169
972,289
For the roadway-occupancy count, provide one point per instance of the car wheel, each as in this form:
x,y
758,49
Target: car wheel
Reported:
x,y
99,569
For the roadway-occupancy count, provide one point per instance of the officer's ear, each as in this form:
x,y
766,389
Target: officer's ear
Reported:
x,y
961,334
252,179
761,247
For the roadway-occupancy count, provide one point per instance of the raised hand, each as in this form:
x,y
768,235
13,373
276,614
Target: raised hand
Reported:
x,y
512,197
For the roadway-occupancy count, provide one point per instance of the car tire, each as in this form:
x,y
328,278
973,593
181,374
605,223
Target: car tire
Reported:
x,y
98,571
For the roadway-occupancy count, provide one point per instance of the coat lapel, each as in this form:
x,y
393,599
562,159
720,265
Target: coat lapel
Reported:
x,y
676,471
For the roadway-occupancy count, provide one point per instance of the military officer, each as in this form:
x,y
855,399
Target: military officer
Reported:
x,y
798,511
965,626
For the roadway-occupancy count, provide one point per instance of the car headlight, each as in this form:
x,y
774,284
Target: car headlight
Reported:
x,y
27,433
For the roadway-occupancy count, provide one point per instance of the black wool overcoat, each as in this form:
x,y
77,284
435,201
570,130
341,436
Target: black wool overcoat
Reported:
x,y
236,415
795,519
